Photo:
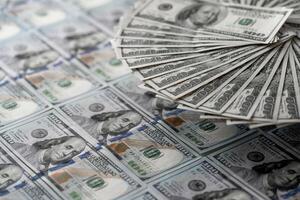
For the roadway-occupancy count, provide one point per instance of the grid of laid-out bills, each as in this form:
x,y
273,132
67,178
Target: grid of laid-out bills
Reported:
x,y
77,124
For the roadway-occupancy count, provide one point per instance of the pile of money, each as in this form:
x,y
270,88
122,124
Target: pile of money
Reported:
x,y
236,60
76,124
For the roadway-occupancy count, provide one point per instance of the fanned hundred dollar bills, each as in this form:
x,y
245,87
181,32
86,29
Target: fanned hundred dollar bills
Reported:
x,y
235,60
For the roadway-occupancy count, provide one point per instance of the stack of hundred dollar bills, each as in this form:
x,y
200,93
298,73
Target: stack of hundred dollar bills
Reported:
x,y
237,60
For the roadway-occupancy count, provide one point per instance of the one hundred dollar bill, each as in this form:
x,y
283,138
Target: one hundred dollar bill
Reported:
x,y
139,142
141,24
62,80
27,56
37,13
9,27
133,34
131,27
18,182
104,64
107,13
264,165
200,134
58,154
146,42
26,53
138,24
129,52
289,135
17,101
78,35
155,60
6,5
200,180
250,23
149,42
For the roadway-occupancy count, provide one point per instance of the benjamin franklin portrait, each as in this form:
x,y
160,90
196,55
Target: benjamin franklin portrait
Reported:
x,y
202,14
43,154
273,177
110,124
9,175
36,60
78,42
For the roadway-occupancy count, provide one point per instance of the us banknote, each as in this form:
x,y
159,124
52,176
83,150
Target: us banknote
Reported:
x,y
200,134
59,155
226,19
18,182
61,81
104,64
37,13
266,166
128,34
139,142
128,52
26,53
137,24
134,63
131,27
123,52
108,13
133,23
146,42
288,135
9,27
17,101
27,56
202,180
5,5
79,35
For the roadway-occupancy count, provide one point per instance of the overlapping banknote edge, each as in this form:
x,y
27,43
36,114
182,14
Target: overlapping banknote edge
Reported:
x,y
255,123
